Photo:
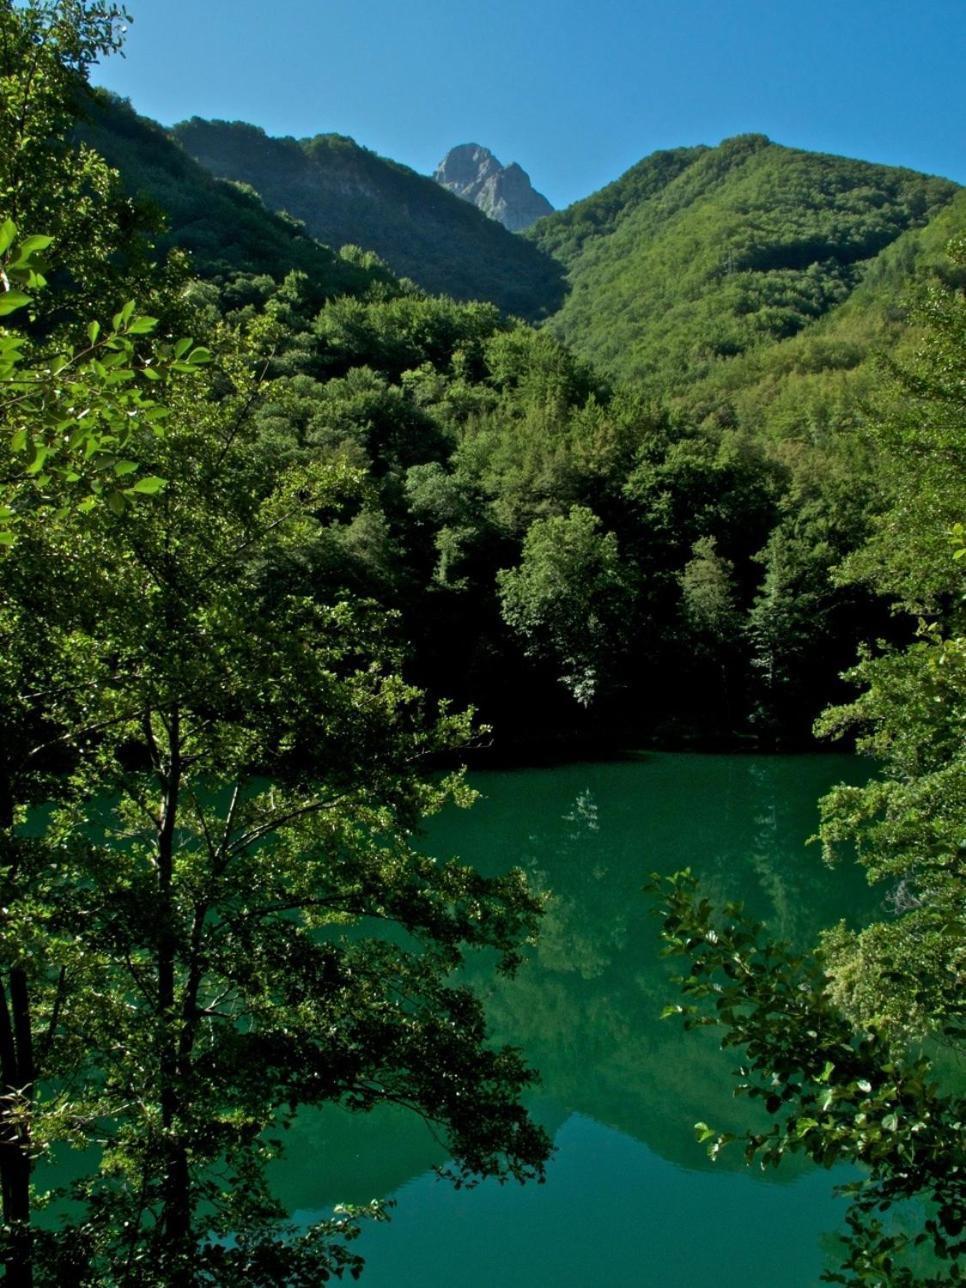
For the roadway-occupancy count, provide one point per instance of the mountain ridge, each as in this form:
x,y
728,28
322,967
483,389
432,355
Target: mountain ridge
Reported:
x,y
346,194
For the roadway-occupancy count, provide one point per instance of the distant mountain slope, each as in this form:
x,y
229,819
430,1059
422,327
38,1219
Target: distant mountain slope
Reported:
x,y
799,392
345,194
565,233
504,192
698,255
226,229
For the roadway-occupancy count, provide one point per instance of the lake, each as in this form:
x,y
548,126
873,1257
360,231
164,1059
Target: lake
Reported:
x,y
630,1197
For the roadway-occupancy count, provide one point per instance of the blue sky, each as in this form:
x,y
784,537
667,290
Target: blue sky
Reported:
x,y
574,90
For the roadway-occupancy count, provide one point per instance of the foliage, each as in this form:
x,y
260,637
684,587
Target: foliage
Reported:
x,y
569,597
257,790
224,227
698,255
46,184
907,828
194,940
834,1093
72,414
918,441
906,974
471,429
829,1039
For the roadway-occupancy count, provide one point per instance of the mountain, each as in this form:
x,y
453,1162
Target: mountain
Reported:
x,y
226,229
346,194
502,192
698,255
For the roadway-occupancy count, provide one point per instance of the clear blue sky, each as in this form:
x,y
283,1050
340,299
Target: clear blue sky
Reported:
x,y
575,91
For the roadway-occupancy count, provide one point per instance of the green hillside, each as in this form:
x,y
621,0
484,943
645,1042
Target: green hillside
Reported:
x,y
807,387
346,194
699,255
226,229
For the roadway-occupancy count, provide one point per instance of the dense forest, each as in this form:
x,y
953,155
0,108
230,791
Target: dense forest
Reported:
x,y
724,494
300,510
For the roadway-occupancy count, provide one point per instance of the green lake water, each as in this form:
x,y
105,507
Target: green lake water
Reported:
x,y
630,1197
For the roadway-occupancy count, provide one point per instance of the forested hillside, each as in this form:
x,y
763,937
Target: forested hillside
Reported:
x,y
566,552
345,194
226,229
698,255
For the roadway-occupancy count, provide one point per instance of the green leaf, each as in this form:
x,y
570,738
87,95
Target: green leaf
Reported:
x,y
121,318
41,452
142,325
125,467
93,331
150,484
8,235
31,246
11,300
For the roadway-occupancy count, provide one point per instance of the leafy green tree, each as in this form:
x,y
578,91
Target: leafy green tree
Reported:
x,y
49,184
71,410
835,1093
906,974
707,591
907,825
225,917
569,598
72,415
711,613
259,790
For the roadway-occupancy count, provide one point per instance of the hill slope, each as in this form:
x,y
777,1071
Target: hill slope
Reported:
x,y
701,254
346,194
226,229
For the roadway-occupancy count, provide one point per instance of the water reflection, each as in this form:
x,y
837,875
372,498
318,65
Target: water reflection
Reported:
x,y
585,1005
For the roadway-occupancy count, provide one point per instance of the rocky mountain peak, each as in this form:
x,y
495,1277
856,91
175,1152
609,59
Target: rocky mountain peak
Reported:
x,y
502,192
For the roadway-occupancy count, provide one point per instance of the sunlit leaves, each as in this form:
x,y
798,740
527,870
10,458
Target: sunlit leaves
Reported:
x,y
835,1094
73,415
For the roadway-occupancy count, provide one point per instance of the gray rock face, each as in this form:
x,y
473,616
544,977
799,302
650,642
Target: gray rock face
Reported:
x,y
502,192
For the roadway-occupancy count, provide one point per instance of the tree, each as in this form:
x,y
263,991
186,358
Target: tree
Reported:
x,y
72,414
48,183
233,768
569,598
265,759
835,1093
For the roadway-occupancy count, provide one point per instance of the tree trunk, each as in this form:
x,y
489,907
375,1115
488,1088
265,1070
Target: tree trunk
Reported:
x,y
16,1068
176,1210
18,1075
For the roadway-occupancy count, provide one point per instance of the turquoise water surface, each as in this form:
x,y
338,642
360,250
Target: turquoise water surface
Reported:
x,y
630,1198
